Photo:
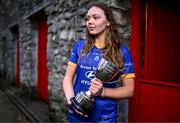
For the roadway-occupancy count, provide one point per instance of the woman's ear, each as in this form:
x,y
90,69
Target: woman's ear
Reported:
x,y
108,23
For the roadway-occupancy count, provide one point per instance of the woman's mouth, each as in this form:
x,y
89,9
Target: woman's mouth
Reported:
x,y
91,28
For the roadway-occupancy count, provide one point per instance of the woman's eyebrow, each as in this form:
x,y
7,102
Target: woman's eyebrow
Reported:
x,y
93,15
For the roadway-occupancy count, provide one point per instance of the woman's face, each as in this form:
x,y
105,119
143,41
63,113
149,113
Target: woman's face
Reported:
x,y
96,21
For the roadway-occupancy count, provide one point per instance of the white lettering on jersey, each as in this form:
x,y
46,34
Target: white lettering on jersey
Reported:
x,y
85,67
128,64
85,82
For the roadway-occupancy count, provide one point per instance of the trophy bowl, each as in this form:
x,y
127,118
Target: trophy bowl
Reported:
x,y
106,70
84,101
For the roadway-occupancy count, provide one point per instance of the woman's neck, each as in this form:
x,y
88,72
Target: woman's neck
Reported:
x,y
100,41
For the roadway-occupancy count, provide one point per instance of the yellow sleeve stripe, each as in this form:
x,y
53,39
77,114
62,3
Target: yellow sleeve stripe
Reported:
x,y
131,75
72,64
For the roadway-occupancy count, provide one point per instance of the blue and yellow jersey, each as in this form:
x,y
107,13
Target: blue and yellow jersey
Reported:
x,y
86,67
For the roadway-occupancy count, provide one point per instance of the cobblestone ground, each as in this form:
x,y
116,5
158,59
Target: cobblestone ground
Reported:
x,y
8,111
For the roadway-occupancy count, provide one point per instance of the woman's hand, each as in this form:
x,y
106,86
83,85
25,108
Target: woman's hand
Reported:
x,y
75,110
78,112
96,87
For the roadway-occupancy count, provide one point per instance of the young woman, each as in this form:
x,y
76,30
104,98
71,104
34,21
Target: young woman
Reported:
x,y
102,40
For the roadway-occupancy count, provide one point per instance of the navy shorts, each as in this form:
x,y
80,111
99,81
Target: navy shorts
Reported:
x,y
73,117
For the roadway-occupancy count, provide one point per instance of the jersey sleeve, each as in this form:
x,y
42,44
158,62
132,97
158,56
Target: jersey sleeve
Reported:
x,y
128,70
75,53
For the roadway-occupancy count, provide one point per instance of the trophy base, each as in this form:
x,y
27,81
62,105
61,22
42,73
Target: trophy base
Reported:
x,y
82,103
79,107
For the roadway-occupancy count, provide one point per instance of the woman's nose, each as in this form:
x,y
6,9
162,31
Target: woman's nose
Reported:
x,y
90,21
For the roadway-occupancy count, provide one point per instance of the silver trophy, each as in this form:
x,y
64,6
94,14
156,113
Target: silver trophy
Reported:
x,y
84,101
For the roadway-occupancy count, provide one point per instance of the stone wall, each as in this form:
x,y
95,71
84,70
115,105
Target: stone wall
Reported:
x,y
66,24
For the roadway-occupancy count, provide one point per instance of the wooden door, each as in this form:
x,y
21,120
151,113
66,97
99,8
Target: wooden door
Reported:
x,y
158,63
42,60
160,84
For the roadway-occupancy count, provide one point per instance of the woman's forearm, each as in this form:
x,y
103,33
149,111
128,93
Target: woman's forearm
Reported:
x,y
125,91
68,89
68,82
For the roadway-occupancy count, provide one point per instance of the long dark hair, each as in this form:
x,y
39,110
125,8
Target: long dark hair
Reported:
x,y
112,39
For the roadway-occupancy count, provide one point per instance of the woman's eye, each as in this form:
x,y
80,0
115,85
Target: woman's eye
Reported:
x,y
93,17
96,17
86,19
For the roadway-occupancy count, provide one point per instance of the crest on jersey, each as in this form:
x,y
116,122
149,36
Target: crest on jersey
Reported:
x,y
90,74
